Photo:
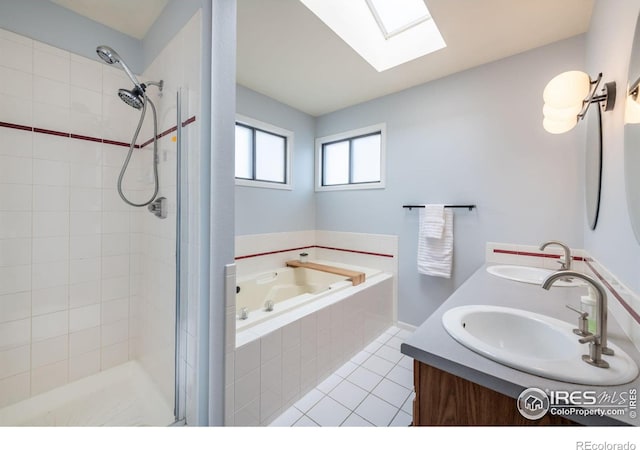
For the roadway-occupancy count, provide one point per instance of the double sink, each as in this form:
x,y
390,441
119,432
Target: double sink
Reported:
x,y
535,343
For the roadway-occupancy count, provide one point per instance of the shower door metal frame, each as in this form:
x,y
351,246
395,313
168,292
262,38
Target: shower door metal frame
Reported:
x,y
179,405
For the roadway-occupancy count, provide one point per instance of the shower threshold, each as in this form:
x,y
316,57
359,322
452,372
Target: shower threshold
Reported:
x,y
121,396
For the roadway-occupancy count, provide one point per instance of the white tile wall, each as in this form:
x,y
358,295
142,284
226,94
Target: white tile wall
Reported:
x,y
152,242
628,323
525,255
80,293
51,220
263,243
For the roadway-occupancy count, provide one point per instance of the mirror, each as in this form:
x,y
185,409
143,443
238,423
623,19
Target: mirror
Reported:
x,y
593,165
632,140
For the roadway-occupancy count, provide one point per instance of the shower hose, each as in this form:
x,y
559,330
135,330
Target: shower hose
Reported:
x,y
155,154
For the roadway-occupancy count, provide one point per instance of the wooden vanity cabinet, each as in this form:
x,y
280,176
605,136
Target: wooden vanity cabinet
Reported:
x,y
445,399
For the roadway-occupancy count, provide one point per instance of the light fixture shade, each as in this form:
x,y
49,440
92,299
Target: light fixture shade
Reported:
x,y
631,111
560,114
559,126
567,90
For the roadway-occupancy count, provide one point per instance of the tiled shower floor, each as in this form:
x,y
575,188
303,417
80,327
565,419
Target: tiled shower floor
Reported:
x,y
121,396
375,388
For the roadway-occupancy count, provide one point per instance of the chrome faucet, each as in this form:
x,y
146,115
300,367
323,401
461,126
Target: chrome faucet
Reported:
x,y
566,263
598,341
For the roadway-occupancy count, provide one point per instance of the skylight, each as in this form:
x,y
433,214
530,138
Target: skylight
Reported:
x,y
396,16
386,33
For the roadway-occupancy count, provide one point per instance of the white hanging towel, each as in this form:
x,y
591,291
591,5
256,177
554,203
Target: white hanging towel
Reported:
x,y
435,254
432,221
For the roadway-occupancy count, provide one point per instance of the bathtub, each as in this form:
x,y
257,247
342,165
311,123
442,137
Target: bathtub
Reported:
x,y
285,288
319,321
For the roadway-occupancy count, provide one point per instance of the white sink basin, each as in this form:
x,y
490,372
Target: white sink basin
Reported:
x,y
534,343
532,275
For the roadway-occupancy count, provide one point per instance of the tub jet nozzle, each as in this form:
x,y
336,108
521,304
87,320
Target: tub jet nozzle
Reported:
x,y
268,305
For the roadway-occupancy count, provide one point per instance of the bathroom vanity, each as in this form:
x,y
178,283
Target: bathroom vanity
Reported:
x,y
457,386
446,399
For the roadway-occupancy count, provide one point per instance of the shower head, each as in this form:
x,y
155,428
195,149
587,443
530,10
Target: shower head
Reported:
x,y
133,97
110,56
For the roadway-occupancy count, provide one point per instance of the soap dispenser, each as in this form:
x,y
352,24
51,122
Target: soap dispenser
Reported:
x,y
588,305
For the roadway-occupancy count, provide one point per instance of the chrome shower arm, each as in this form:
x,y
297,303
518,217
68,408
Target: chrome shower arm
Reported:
x,y
159,84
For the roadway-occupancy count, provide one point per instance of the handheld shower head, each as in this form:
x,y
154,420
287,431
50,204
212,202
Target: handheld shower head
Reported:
x,y
131,97
110,56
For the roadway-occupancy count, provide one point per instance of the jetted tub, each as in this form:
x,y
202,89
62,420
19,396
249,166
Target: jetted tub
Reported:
x,y
318,322
286,288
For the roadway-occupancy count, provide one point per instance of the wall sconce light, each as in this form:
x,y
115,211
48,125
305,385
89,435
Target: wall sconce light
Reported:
x,y
567,98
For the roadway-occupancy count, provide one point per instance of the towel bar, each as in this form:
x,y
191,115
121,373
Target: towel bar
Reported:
x,y
446,206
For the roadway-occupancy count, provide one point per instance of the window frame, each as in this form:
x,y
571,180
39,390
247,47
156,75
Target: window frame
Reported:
x,y
350,136
268,128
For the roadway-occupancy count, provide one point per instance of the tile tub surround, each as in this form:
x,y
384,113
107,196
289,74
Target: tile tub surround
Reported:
x,y
262,252
258,253
269,373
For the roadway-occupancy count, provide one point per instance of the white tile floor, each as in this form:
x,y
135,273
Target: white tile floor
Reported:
x,y
374,388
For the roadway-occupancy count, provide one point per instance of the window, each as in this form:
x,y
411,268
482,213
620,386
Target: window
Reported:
x,y
351,160
263,157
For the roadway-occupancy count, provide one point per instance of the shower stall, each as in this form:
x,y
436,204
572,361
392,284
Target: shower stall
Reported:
x,y
97,216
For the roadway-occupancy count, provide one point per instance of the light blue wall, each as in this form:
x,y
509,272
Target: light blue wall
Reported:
x,y
608,47
47,22
473,137
260,210
174,16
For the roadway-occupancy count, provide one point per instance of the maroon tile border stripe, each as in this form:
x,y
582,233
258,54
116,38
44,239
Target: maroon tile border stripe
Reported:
x,y
615,293
85,138
81,137
538,255
274,252
169,131
15,126
52,132
361,252
118,143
